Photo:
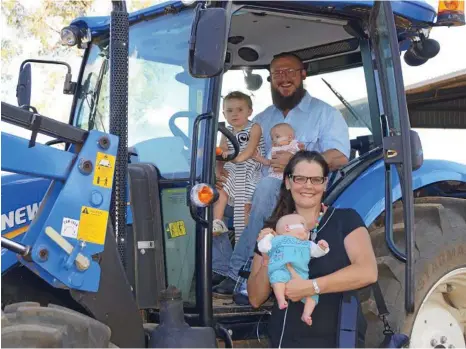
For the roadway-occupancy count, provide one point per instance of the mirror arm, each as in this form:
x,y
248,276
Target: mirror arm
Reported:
x,y
69,86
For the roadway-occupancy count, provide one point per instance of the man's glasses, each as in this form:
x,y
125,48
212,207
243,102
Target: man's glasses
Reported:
x,y
303,180
281,74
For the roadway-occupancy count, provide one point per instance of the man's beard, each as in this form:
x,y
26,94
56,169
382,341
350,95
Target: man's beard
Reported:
x,y
287,102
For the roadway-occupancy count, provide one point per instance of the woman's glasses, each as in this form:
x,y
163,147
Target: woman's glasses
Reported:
x,y
303,180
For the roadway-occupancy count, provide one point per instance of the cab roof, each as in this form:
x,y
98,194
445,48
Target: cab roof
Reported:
x,y
414,11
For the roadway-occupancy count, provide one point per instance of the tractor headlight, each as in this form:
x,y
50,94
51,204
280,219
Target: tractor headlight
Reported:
x,y
72,35
69,36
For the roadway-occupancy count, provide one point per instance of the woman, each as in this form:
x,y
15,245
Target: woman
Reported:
x,y
349,265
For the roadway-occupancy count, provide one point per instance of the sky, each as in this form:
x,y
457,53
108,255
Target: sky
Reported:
x,y
437,143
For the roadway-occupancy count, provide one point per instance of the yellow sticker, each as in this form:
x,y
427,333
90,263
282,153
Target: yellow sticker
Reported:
x,y
92,225
176,229
104,168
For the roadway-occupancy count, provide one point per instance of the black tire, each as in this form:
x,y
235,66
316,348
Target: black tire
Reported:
x,y
440,227
29,325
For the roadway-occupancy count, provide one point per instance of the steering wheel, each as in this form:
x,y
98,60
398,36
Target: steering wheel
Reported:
x,y
187,141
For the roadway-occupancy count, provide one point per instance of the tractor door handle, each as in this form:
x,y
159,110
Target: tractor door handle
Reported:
x,y
192,177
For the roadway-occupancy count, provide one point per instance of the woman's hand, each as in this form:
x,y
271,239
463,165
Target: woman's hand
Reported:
x,y
297,288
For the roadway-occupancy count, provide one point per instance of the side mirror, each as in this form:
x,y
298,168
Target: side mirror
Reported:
x,y
207,45
253,81
417,153
23,89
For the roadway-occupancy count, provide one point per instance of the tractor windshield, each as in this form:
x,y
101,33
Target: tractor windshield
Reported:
x,y
163,99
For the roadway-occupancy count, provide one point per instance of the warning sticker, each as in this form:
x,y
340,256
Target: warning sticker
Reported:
x,y
104,168
69,228
93,225
176,229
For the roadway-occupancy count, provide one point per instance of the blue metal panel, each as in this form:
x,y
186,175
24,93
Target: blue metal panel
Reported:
x,y
21,197
38,161
413,10
367,193
101,24
66,201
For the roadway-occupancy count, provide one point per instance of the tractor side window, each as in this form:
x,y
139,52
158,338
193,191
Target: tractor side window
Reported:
x,y
163,99
382,46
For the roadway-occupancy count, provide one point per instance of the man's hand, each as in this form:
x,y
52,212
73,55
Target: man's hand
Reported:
x,y
280,159
221,175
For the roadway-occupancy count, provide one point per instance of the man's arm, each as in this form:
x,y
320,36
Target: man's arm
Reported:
x,y
335,159
334,140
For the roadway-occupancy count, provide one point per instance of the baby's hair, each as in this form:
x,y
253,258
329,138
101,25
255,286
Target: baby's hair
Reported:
x,y
239,95
282,124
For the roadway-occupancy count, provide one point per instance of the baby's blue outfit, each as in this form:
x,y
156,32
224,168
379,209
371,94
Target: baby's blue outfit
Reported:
x,y
288,249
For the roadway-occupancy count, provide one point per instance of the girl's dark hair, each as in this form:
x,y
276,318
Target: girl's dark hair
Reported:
x,y
285,203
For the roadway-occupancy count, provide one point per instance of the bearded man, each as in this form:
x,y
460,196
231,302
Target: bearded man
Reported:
x,y
317,125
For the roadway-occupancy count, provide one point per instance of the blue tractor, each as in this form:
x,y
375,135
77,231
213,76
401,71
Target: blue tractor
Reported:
x,y
92,235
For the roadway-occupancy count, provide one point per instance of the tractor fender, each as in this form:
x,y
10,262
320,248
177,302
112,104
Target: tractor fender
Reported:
x,y
367,193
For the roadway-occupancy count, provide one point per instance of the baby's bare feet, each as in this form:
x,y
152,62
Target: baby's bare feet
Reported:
x,y
282,305
307,319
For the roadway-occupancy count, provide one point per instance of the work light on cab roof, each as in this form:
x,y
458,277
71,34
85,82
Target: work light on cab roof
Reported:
x,y
72,35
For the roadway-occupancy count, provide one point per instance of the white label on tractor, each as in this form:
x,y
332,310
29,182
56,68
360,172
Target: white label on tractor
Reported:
x,y
69,228
145,244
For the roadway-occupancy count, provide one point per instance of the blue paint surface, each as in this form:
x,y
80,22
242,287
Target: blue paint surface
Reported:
x,y
367,193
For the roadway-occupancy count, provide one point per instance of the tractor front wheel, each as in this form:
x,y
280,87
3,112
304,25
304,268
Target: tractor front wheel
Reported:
x,y
29,325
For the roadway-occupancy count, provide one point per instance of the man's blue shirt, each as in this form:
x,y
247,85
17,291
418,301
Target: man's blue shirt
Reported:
x,y
316,124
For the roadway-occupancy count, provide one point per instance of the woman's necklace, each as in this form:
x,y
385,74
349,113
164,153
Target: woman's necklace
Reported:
x,y
319,218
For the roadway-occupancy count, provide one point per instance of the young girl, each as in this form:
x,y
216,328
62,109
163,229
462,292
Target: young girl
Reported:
x,y
243,172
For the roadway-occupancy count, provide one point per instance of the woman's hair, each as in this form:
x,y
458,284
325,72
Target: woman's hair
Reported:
x,y
285,204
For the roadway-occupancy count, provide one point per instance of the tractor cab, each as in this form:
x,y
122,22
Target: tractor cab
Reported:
x,y
183,58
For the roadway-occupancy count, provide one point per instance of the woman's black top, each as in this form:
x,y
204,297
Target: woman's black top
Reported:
x,y
335,225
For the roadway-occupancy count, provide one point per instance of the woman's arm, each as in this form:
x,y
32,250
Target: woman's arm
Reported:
x,y
361,272
254,138
258,281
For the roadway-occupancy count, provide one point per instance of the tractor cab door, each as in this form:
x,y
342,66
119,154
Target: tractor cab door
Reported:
x,y
402,149
169,137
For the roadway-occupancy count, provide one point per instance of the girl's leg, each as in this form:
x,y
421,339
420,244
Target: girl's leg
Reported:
x,y
220,205
219,226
